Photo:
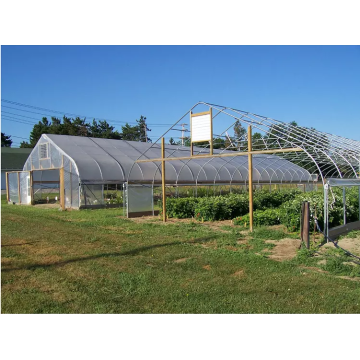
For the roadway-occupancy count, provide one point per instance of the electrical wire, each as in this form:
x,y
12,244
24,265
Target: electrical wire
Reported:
x,y
64,113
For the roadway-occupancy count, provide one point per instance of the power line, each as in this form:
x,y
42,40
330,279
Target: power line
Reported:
x,y
65,113
18,121
29,117
19,137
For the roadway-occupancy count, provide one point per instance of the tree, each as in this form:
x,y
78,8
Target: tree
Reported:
x,y
6,140
25,144
43,127
173,142
137,132
143,129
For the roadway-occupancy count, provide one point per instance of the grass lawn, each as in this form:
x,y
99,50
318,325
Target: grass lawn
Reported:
x,y
96,261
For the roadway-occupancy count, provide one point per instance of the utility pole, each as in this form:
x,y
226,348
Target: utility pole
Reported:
x,y
145,130
182,133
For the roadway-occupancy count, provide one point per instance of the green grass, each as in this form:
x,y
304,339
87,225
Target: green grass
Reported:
x,y
96,261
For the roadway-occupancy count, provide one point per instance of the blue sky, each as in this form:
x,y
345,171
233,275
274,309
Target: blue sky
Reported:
x,y
315,86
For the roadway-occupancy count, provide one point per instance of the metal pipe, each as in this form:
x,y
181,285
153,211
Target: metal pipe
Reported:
x,y
326,225
344,204
163,178
250,177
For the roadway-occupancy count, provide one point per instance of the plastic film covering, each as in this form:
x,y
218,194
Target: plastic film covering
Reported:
x,y
55,156
101,161
139,198
92,195
13,188
74,179
67,189
24,189
35,162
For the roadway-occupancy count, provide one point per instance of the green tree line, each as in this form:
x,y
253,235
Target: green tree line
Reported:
x,y
80,127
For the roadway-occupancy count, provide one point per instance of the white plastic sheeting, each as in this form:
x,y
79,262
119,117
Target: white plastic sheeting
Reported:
x,y
19,187
24,188
139,198
13,187
106,161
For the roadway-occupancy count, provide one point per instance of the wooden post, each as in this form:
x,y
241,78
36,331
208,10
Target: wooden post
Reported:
x,y
163,178
250,179
7,186
18,176
305,223
62,189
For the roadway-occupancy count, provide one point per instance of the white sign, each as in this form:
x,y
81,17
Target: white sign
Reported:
x,y
201,127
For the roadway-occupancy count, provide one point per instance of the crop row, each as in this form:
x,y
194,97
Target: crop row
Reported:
x,y
270,208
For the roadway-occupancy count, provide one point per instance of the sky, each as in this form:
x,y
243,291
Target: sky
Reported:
x,y
316,86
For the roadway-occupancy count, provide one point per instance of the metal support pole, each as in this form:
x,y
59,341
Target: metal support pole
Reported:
x,y
344,204
326,188
211,130
163,178
250,178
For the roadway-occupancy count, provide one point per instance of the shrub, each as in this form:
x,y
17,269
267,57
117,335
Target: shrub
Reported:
x,y
264,199
267,217
181,208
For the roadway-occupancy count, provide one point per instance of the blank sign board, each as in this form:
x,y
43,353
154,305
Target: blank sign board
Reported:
x,y
200,127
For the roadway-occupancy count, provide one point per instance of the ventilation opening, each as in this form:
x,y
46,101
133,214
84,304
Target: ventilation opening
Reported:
x,y
43,151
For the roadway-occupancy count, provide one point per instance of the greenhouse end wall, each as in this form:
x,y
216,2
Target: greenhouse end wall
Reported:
x,y
47,156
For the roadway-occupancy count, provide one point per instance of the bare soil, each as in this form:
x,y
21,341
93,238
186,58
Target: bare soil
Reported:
x,y
47,206
284,249
351,245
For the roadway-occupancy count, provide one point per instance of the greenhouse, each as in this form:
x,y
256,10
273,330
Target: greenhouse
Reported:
x,y
91,165
84,169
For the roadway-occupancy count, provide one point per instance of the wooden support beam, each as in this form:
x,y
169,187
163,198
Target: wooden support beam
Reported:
x,y
251,203
274,151
47,182
163,178
7,186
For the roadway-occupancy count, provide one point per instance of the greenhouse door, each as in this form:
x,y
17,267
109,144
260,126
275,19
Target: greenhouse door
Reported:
x,y
139,200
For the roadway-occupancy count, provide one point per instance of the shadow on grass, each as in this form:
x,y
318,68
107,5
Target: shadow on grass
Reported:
x,y
20,244
113,254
